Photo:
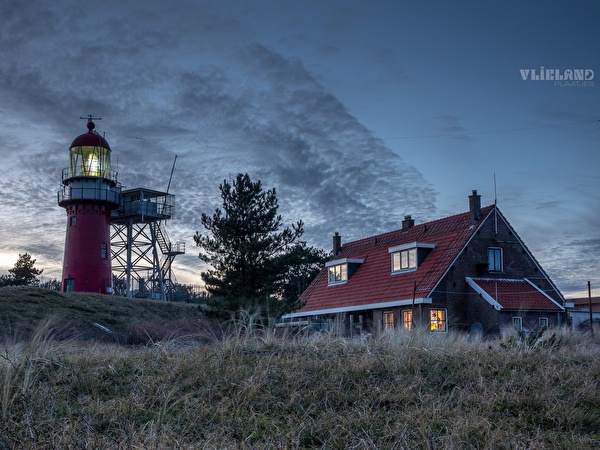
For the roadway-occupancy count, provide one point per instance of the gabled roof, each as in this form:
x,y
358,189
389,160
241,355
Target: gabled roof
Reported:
x,y
520,295
367,288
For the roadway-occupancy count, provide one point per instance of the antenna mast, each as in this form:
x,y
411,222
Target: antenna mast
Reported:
x,y
171,176
495,206
495,192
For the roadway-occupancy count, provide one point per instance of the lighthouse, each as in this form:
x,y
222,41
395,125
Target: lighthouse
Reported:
x,y
89,193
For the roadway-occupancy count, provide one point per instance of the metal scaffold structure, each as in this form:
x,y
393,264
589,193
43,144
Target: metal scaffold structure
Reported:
x,y
142,253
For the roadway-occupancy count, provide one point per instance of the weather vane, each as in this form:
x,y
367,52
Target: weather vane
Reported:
x,y
91,118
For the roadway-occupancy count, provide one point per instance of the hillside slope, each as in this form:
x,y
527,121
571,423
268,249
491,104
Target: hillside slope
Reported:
x,y
74,314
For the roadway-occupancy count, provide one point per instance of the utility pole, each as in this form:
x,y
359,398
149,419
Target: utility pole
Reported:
x,y
590,306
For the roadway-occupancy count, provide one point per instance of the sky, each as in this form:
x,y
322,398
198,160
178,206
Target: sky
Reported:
x,y
358,112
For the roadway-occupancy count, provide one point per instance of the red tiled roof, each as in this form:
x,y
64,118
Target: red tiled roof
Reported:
x,y
367,286
519,295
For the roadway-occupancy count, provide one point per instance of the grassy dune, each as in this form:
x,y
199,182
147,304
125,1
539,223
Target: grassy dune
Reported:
x,y
247,388
75,314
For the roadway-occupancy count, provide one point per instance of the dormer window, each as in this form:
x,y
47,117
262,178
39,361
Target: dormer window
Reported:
x,y
340,270
338,273
404,260
407,257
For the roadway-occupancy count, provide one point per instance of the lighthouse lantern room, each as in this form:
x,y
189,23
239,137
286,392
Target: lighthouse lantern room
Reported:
x,y
89,193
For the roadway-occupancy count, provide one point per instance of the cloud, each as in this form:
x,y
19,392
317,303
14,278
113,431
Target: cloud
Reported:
x,y
551,205
162,90
451,125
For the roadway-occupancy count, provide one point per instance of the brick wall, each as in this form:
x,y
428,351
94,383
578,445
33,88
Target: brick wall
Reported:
x,y
464,305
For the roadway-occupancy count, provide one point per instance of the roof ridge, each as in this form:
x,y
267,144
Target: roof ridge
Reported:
x,y
484,211
498,279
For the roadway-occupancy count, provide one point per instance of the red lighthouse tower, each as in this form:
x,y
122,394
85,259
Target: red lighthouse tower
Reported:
x,y
89,193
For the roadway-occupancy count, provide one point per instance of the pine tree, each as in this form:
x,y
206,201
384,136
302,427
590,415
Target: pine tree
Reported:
x,y
23,273
249,257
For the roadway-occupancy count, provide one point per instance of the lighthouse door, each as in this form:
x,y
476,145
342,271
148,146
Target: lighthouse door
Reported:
x,y
69,285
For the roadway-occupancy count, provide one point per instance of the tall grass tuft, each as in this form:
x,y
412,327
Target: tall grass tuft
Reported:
x,y
20,362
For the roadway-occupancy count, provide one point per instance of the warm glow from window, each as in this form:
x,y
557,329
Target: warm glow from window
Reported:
x,y
92,167
407,318
437,319
338,273
89,161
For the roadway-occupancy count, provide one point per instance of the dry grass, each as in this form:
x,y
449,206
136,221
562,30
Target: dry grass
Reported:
x,y
248,388
128,319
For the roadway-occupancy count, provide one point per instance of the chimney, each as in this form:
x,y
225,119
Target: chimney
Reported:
x,y
408,222
475,206
337,244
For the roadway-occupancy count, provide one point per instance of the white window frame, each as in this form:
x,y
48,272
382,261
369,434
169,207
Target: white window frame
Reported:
x,y
404,260
493,264
444,320
517,322
342,264
543,321
337,274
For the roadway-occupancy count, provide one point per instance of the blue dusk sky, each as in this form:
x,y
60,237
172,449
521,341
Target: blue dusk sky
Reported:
x,y
357,112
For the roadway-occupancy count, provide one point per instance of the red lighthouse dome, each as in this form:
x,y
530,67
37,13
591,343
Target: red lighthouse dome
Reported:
x,y
90,139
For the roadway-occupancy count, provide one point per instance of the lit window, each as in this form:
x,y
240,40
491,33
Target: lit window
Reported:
x,y
338,273
517,323
388,321
103,250
543,321
404,260
437,319
407,318
495,259
91,166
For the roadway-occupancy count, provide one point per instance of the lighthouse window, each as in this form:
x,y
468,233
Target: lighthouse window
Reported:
x,y
73,221
103,250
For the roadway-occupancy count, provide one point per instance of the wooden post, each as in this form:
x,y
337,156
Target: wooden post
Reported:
x,y
590,306
412,309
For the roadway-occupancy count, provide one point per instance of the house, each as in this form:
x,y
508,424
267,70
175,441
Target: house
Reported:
x,y
580,315
469,272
